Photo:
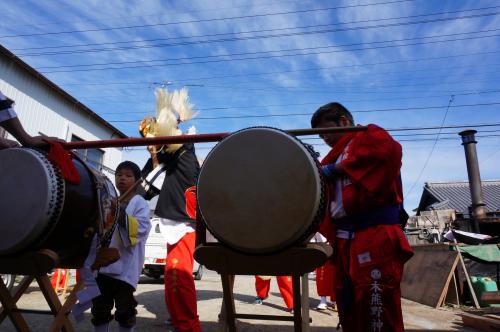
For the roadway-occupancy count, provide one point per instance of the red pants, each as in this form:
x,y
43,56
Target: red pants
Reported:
x,y
324,280
285,285
180,294
62,274
372,263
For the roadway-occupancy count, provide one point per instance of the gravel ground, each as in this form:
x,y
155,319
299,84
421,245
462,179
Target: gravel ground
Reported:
x,y
152,313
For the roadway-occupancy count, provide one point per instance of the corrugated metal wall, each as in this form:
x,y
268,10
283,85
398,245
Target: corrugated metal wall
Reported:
x,y
41,110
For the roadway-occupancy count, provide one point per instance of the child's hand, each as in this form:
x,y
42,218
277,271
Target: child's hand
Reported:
x,y
105,257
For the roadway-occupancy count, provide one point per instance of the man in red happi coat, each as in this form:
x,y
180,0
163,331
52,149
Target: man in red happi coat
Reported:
x,y
365,214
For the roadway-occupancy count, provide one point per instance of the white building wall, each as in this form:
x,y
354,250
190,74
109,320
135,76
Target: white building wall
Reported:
x,y
42,110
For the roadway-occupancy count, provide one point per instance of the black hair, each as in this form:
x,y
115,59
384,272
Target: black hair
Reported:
x,y
130,166
331,112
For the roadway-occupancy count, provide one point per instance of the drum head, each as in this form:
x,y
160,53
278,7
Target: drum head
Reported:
x,y
259,190
107,194
31,192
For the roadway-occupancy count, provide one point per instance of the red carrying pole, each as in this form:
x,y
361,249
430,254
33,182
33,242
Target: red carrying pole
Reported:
x,y
199,138
144,141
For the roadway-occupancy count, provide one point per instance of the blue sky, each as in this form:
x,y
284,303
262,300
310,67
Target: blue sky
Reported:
x,y
394,63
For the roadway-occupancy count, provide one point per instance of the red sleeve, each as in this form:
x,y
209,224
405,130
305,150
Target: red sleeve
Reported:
x,y
190,195
373,161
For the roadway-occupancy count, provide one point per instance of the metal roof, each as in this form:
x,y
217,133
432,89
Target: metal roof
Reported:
x,y
456,196
58,90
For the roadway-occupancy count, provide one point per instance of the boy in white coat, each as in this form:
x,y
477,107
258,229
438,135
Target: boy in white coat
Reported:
x,y
117,282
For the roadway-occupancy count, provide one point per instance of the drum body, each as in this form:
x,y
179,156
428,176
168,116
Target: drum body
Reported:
x,y
260,190
39,209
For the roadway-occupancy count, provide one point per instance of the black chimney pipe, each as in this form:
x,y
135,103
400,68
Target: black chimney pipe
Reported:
x,y
476,191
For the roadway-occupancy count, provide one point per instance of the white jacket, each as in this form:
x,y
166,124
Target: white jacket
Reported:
x,y
130,241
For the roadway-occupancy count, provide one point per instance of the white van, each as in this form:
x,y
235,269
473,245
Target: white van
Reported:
x,y
156,251
8,280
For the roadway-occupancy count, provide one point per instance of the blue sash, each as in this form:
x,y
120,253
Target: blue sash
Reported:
x,y
384,215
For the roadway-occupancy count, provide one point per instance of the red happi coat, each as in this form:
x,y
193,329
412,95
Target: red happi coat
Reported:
x,y
368,267
372,162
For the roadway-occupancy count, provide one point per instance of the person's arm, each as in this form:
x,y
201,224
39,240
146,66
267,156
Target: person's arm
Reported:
x,y
10,122
332,171
373,161
15,128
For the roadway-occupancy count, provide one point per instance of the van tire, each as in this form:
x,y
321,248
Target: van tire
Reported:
x,y
8,280
199,273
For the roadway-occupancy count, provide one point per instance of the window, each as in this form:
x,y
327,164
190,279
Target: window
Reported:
x,y
93,157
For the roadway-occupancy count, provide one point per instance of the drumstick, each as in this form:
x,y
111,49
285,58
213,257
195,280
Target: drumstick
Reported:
x,y
132,187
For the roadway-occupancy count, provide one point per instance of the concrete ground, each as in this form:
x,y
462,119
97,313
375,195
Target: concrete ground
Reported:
x,y
152,313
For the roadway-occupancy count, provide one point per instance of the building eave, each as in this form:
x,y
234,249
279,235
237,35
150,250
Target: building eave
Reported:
x,y
15,59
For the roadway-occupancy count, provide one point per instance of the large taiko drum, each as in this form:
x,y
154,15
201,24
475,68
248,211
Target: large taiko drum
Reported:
x,y
260,191
40,210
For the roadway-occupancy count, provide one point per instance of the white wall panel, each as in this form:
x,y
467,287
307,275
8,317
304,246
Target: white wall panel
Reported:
x,y
42,110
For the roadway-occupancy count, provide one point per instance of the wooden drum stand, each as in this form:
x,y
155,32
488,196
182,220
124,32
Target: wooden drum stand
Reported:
x,y
34,265
296,261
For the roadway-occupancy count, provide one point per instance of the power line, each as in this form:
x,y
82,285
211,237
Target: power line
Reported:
x,y
403,129
297,49
357,92
230,108
428,134
328,89
198,79
322,144
320,68
249,116
236,38
475,125
452,98
489,158
325,88
201,20
433,140
170,12
443,138
242,59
